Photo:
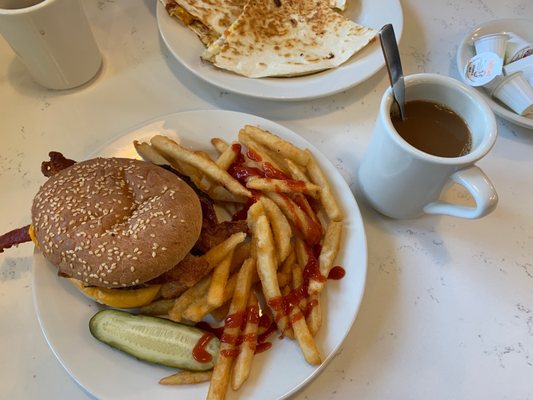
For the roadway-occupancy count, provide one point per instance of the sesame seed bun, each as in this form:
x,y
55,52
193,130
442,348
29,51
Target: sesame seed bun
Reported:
x,y
115,222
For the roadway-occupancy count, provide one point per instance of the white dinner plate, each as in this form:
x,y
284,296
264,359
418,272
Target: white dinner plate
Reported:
x,y
187,48
521,27
64,313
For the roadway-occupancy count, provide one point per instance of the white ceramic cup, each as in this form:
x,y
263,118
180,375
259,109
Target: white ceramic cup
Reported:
x,y
401,181
53,39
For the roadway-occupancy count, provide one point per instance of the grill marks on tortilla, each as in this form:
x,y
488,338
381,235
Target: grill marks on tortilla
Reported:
x,y
298,37
81,214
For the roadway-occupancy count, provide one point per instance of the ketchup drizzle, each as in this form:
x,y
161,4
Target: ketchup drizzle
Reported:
x,y
199,352
336,273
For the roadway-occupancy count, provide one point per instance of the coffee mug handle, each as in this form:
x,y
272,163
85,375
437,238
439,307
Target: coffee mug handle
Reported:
x,y
480,187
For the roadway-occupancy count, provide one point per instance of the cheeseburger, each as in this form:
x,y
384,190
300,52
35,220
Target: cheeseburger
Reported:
x,y
116,224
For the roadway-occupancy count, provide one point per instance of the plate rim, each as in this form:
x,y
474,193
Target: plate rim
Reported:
x,y
355,217
465,43
281,93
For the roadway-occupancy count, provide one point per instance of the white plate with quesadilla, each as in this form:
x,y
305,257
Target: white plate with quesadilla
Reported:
x,y
187,48
64,313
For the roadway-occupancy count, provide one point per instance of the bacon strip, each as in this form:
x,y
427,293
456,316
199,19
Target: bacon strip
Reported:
x,y
57,163
14,237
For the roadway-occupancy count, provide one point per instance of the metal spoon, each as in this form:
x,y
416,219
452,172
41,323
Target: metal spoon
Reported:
x,y
394,66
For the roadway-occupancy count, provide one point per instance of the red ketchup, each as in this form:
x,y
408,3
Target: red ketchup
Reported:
x,y
199,352
336,273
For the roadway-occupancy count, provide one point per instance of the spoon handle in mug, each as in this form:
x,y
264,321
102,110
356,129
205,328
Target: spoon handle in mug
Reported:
x,y
391,54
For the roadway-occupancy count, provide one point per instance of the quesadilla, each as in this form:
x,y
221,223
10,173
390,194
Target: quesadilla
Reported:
x,y
337,4
207,18
287,38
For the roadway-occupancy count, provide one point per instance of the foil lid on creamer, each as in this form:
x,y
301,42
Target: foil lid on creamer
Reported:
x,y
482,69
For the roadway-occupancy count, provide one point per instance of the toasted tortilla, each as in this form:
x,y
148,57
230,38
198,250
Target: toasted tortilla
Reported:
x,y
287,38
207,18
337,4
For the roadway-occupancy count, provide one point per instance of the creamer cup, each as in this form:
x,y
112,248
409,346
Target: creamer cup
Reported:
x,y
524,65
493,43
481,69
516,93
517,48
493,84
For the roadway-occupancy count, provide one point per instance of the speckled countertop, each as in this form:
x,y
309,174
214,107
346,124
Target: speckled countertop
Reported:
x,y
448,306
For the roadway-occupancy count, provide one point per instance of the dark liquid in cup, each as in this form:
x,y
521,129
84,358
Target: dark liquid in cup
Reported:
x,y
434,129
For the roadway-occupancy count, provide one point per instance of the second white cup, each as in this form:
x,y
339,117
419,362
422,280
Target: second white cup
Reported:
x,y
401,181
53,39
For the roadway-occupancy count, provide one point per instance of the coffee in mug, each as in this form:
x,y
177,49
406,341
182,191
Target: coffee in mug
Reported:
x,y
433,128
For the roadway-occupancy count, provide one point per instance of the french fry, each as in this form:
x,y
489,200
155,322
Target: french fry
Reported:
x,y
216,254
314,313
204,154
199,308
186,378
310,230
277,144
280,228
228,156
188,304
266,269
254,212
219,144
297,282
301,252
284,279
313,309
303,203
231,208
220,193
303,336
286,266
328,253
172,151
262,156
243,362
297,172
326,194
158,307
188,297
149,154
222,370
215,295
242,252
284,186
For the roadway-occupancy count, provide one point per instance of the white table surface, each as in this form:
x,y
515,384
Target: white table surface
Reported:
x,y
448,307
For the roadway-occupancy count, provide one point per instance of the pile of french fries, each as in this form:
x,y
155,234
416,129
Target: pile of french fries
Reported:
x,y
293,211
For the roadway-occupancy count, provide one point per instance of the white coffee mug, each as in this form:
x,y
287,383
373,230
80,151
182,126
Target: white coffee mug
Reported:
x,y
53,39
401,181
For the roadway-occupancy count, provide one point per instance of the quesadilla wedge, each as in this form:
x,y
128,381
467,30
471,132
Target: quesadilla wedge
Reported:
x,y
287,38
337,4
207,18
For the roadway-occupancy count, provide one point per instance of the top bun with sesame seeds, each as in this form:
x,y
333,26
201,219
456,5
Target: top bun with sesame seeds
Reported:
x,y
115,222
